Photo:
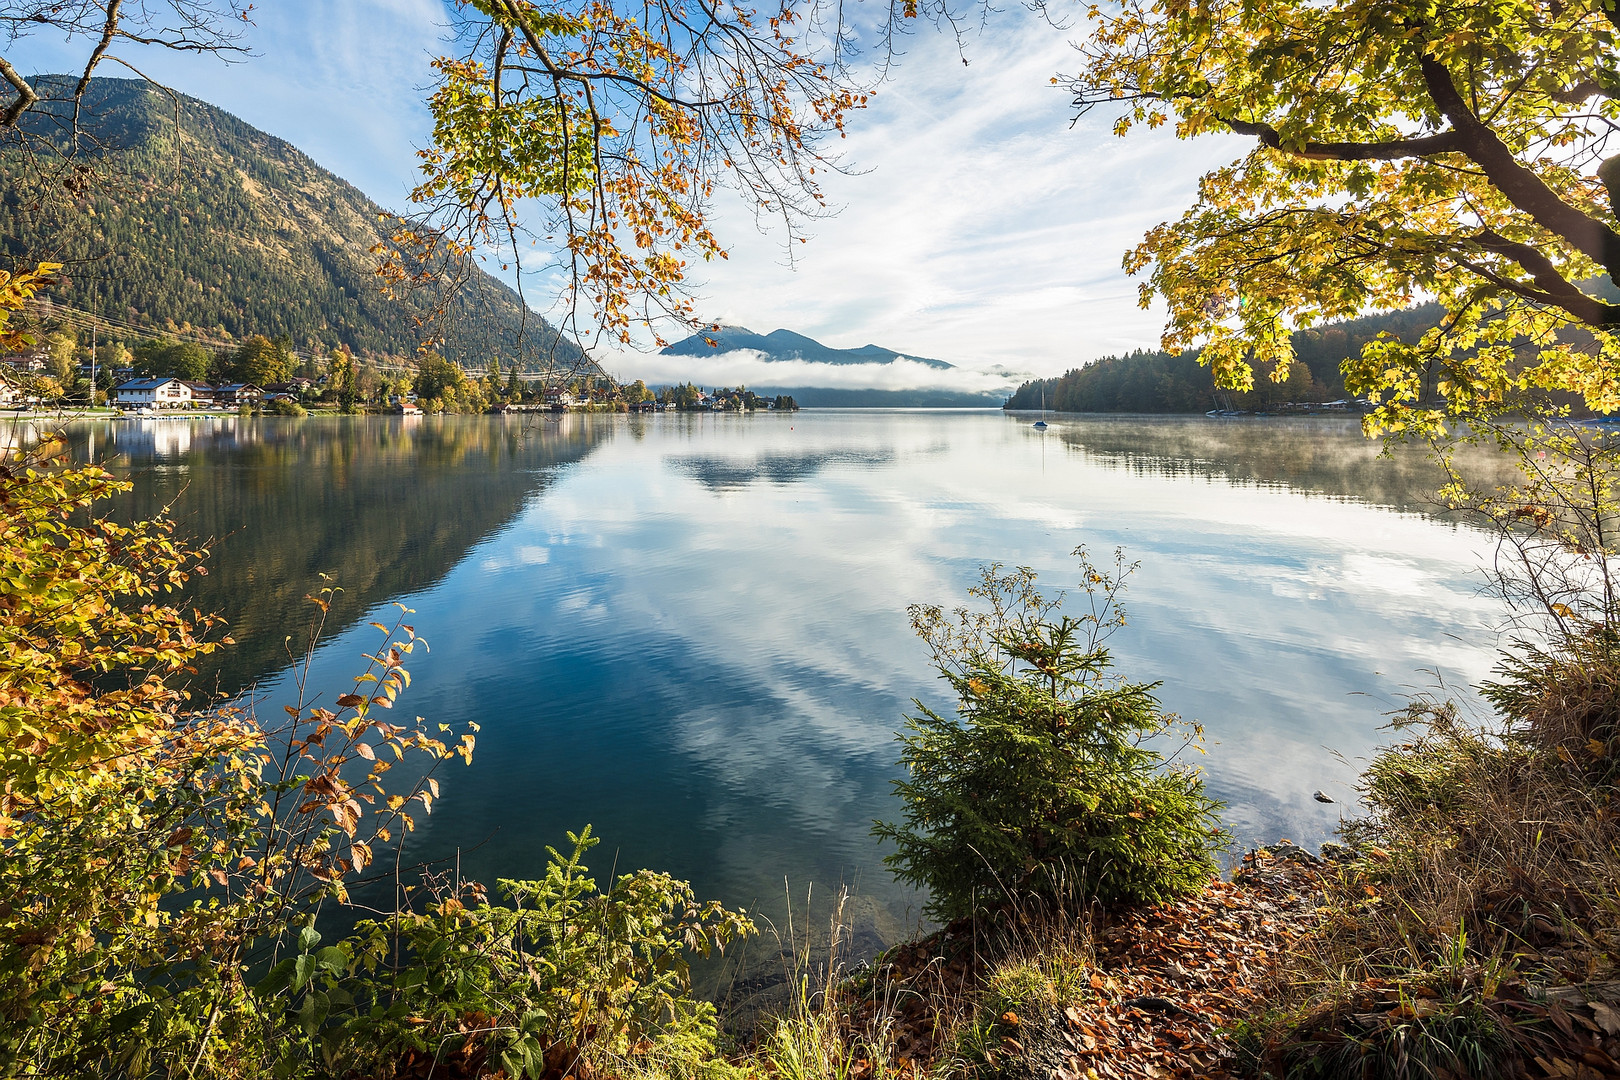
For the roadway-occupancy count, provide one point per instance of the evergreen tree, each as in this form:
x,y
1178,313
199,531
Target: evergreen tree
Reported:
x,y
1046,783
174,359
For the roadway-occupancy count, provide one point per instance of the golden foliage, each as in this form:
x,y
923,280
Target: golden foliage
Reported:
x,y
1452,150
613,130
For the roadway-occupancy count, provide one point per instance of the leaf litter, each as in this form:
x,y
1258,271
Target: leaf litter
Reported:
x,y
1165,984
1167,987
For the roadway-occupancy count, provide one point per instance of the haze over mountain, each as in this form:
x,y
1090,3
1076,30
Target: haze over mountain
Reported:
x,y
785,362
214,223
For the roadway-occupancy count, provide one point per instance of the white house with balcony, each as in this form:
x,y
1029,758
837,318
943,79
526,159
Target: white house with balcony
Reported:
x,y
153,394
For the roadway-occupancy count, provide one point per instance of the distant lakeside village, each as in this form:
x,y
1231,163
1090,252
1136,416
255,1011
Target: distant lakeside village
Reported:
x,y
266,375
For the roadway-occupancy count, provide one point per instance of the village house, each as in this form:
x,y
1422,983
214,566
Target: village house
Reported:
x,y
32,360
237,393
164,393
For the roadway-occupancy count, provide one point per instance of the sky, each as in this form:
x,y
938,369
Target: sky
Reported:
x,y
977,224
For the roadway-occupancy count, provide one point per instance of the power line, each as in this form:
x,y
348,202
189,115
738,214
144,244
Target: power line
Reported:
x,y
80,319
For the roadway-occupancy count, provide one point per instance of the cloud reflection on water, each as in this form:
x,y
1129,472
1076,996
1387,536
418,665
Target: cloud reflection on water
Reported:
x,y
696,637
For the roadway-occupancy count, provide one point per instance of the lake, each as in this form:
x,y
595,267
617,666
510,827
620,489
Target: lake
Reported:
x,y
690,630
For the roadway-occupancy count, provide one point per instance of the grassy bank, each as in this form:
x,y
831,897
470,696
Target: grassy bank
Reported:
x,y
1468,926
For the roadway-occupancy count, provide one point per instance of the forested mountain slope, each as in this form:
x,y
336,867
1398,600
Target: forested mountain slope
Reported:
x,y
217,224
1156,382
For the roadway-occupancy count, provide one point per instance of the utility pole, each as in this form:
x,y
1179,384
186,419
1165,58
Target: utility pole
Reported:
x,y
92,365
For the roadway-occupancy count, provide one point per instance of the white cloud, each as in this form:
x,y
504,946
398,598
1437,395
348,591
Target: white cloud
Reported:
x,y
745,367
982,228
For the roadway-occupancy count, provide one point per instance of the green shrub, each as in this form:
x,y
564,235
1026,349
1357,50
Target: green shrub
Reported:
x,y
565,978
288,408
163,859
1044,785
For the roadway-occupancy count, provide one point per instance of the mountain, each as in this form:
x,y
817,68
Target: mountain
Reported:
x,y
786,345
212,222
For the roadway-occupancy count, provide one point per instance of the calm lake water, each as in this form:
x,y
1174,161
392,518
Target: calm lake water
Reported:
x,y
691,631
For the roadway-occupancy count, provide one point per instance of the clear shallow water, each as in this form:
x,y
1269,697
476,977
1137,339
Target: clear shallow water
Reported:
x,y
691,631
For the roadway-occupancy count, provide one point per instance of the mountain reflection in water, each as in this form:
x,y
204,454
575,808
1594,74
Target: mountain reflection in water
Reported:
x,y
691,630
385,506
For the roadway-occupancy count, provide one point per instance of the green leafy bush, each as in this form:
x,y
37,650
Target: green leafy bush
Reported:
x,y
1044,785
163,858
563,979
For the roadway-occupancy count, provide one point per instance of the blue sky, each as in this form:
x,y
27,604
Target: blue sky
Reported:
x,y
980,226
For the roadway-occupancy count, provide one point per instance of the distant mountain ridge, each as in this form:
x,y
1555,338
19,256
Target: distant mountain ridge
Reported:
x,y
236,232
782,345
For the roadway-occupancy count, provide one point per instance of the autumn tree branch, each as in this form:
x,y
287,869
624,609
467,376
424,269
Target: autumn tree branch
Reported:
x,y
1522,187
1389,150
1552,287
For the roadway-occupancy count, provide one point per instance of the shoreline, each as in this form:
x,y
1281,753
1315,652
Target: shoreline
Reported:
x,y
1184,990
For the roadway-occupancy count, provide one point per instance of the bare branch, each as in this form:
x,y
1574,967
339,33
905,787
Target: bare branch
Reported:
x,y
108,32
26,97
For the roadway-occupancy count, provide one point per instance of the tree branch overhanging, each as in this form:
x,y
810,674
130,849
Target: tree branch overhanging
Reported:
x,y
108,32
1522,187
1553,288
1389,150
195,26
26,97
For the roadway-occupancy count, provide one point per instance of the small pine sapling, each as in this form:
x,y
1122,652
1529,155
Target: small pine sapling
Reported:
x,y
1048,783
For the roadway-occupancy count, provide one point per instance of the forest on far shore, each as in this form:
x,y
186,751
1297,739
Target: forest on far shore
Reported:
x,y
1157,382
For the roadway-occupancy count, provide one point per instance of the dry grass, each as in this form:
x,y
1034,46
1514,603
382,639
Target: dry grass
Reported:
x,y
810,1033
1486,872
1468,922
935,1007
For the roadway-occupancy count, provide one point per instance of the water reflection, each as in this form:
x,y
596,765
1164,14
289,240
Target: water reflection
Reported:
x,y
714,681
1317,454
386,506
727,473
